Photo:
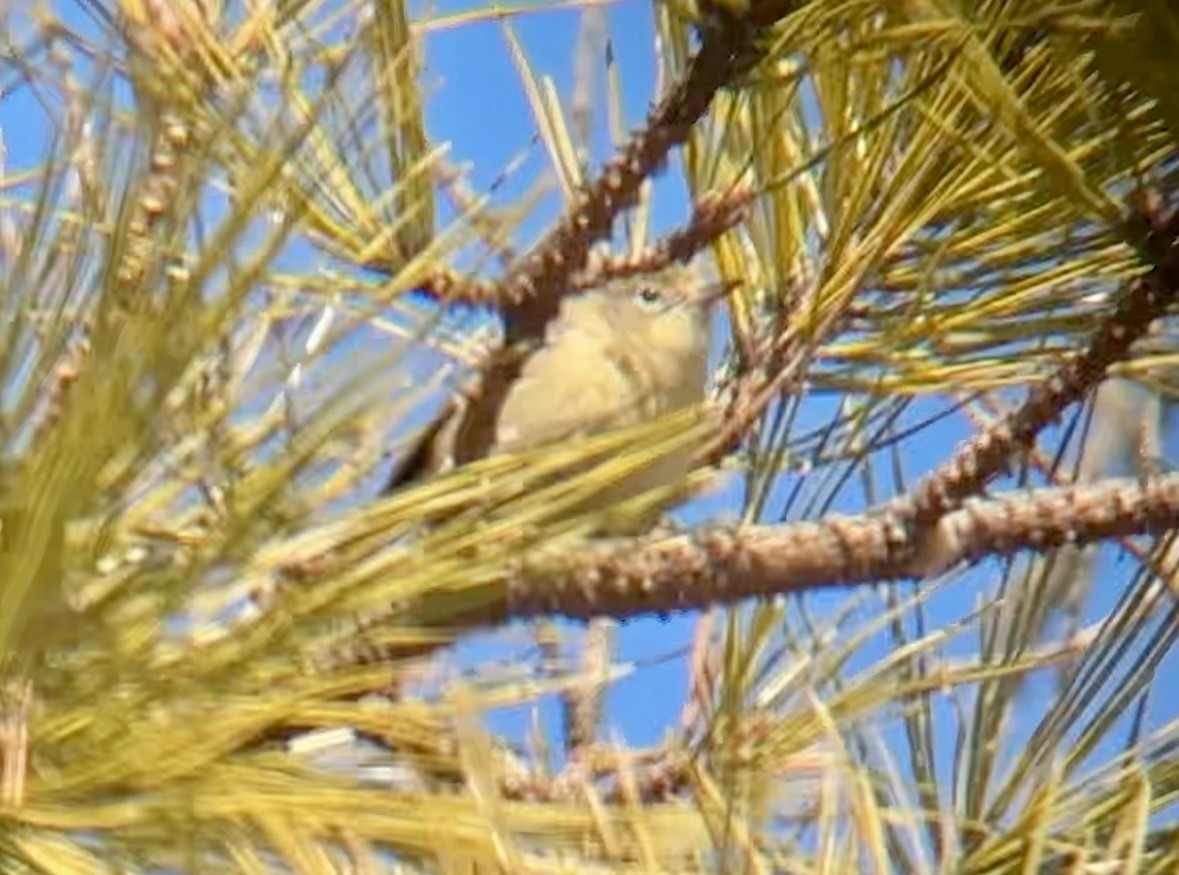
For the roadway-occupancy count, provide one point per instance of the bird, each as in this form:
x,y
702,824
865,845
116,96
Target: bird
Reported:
x,y
621,353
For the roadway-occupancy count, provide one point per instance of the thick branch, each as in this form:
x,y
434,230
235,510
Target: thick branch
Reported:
x,y
724,565
983,457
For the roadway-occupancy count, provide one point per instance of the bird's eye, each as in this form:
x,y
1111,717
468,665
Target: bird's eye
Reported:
x,y
648,296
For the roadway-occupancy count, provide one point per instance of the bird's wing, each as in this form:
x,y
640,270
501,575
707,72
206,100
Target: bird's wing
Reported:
x,y
424,455
566,389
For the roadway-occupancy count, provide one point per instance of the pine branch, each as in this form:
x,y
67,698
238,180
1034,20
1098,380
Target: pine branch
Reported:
x,y
533,287
716,565
982,458
712,215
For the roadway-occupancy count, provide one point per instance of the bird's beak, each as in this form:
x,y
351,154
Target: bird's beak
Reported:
x,y
717,291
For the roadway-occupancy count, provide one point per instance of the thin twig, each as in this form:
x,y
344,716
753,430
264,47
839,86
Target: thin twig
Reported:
x,y
584,704
712,215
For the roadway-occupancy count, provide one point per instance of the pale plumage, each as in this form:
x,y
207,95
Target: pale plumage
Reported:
x,y
620,355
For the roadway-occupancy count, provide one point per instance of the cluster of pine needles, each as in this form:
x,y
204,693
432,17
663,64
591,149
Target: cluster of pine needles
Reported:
x,y
238,278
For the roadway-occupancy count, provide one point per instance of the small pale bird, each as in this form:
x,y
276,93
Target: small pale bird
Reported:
x,y
621,354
